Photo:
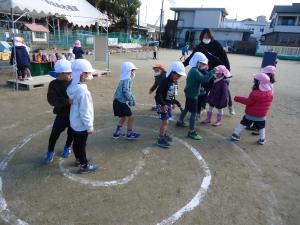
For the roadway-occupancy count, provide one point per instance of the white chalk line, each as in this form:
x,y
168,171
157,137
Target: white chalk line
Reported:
x,y
275,219
171,220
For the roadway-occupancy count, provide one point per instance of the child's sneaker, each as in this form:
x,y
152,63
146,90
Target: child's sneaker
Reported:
x,y
235,137
255,132
49,157
132,136
66,152
231,111
181,124
218,123
261,141
154,108
162,142
116,135
168,138
87,168
194,135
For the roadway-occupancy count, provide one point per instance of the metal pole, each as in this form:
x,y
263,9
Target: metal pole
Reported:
x,y
161,19
58,27
107,48
14,46
139,22
53,24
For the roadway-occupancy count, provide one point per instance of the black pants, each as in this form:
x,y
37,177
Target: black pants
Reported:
x,y
59,125
201,103
229,99
79,145
154,55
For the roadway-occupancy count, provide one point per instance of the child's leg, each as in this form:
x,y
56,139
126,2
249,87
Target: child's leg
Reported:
x,y
79,146
57,128
163,128
219,117
209,114
130,133
119,127
192,121
130,123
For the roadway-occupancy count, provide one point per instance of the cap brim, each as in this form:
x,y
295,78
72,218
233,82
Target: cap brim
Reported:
x,y
53,74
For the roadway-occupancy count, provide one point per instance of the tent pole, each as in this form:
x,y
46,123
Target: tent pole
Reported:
x,y
58,27
53,29
107,48
15,54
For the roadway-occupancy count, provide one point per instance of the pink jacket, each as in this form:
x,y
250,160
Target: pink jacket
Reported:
x,y
257,104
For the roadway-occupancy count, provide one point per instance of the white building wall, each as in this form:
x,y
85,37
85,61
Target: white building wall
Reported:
x,y
186,19
225,36
209,18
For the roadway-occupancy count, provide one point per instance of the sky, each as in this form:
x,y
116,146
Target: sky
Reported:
x,y
240,9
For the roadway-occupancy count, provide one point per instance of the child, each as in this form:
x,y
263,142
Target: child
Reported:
x,y
184,52
123,95
77,50
82,112
164,96
196,76
270,71
155,49
218,96
22,59
57,97
257,106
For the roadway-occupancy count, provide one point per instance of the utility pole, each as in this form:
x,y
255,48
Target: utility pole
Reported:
x,y
161,19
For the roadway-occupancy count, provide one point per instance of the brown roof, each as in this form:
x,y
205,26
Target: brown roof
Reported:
x,y
36,27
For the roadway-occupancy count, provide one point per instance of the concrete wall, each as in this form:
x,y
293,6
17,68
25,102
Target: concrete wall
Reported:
x,y
209,18
186,19
228,36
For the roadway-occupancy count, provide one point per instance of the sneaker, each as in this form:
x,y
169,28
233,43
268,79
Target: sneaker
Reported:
x,y
132,136
181,124
235,137
66,152
116,135
194,135
218,123
168,138
154,108
162,142
261,141
231,111
49,157
87,168
255,132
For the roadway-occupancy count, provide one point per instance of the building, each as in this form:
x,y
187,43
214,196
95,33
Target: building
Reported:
x,y
191,21
284,29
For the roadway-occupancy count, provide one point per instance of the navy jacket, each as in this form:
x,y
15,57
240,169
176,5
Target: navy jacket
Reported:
x,y
78,52
22,56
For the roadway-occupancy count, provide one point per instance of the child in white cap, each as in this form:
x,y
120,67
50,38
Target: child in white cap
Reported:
x,y
58,98
82,112
164,97
257,107
123,99
196,77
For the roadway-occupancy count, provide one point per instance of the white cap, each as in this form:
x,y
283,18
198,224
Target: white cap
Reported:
x,y
63,66
82,66
177,67
126,69
198,57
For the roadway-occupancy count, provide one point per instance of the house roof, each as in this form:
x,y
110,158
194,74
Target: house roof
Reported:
x,y
176,9
294,8
36,27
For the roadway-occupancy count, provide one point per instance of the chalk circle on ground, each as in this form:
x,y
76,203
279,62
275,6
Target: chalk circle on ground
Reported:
x,y
8,216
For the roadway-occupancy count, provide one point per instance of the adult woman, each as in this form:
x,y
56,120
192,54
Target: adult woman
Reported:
x,y
216,55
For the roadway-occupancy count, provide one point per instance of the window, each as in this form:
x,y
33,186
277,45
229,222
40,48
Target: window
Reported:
x,y
298,24
40,35
262,30
286,20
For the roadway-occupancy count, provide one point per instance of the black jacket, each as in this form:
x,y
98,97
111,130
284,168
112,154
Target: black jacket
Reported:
x,y
57,97
22,57
165,92
78,52
214,52
157,80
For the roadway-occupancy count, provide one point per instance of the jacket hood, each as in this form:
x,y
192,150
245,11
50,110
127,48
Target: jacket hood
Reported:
x,y
75,90
80,66
126,69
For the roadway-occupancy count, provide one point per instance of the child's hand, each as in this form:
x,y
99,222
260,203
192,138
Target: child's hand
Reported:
x,y
235,98
165,108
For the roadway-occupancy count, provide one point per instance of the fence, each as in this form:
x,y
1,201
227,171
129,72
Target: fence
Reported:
x,y
283,52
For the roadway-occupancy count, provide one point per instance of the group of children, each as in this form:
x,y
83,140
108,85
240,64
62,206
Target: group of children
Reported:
x,y
74,109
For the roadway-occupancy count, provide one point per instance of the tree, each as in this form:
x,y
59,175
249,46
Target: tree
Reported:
x,y
121,12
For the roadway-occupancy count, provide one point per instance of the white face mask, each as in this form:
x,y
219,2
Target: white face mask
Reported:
x,y
90,77
132,74
156,73
206,40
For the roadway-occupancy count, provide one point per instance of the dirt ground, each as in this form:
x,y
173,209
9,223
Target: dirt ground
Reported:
x,y
249,184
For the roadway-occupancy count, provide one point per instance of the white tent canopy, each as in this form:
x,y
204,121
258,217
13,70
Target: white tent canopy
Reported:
x,y
78,12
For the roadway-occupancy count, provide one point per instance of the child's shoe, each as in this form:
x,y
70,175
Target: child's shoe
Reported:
x,y
235,137
117,135
154,108
168,138
87,168
208,118
49,157
231,111
181,124
261,141
162,142
132,136
194,135
219,120
66,152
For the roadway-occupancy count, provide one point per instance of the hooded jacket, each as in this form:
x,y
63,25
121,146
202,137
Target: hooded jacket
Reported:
x,y
22,57
257,104
219,94
123,92
82,109
78,52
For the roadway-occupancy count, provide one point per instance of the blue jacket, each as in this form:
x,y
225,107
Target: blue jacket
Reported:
x,y
124,91
22,57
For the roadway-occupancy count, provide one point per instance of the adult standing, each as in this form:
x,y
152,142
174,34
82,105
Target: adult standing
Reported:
x,y
216,55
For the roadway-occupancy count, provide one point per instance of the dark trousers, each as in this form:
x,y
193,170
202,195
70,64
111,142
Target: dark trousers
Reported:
x,y
229,99
79,146
59,125
201,103
154,55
